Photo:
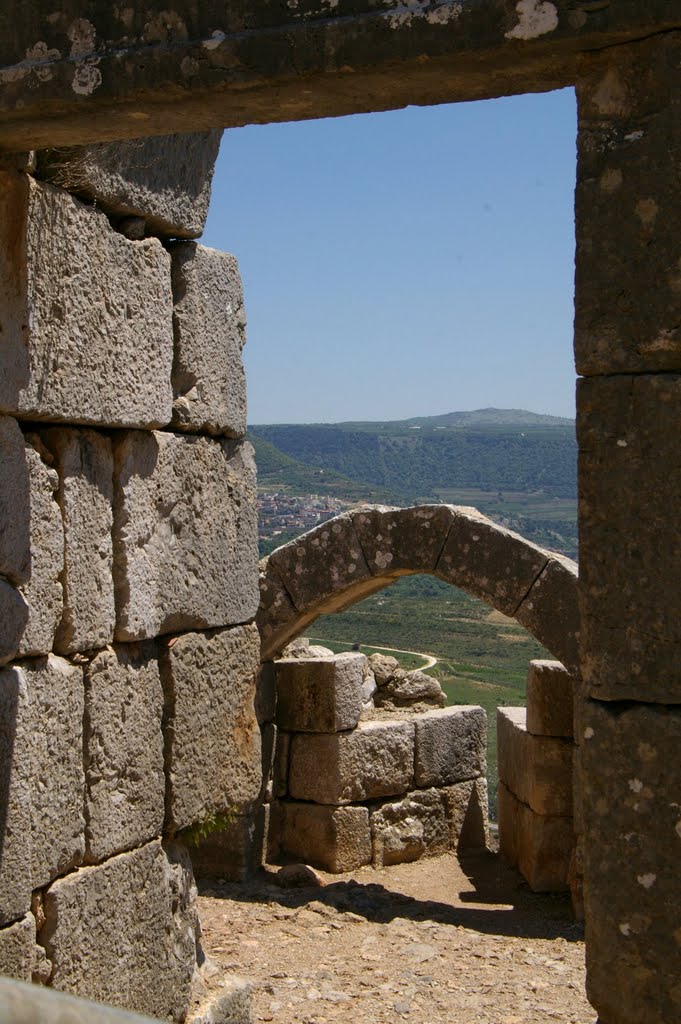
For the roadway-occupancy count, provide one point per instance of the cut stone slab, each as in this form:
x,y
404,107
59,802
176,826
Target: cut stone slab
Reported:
x,y
124,932
628,300
551,612
536,769
450,745
209,321
213,752
14,613
488,561
320,694
277,617
123,750
15,504
399,540
230,1004
540,846
467,810
24,1003
408,829
165,179
318,568
43,593
17,949
630,558
15,786
84,463
374,760
333,838
550,700
185,534
56,698
235,849
72,326
631,773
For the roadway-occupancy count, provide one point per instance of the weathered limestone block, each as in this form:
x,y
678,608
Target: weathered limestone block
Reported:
x,y
277,617
55,712
631,774
17,949
209,383
489,561
334,838
374,760
402,539
23,1003
43,593
536,769
229,1004
450,745
539,845
282,756
123,749
15,790
266,693
408,829
411,689
631,561
628,309
185,534
84,463
73,322
320,694
15,504
467,810
551,611
165,179
384,667
550,700
322,565
124,932
211,732
235,849
14,614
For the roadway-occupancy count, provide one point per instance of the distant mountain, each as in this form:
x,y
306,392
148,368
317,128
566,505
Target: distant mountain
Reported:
x,y
489,417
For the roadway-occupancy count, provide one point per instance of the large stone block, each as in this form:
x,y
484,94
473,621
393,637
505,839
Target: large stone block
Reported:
x,y
14,613
235,848
539,845
43,593
84,463
550,611
277,618
211,732
17,949
165,179
398,540
628,284
228,1004
56,701
467,810
408,829
77,299
15,504
489,561
334,838
123,750
185,534
209,383
630,478
550,700
374,760
124,932
15,796
320,694
631,773
450,745
536,769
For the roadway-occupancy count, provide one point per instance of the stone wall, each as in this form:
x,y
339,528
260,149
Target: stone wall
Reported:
x,y
128,568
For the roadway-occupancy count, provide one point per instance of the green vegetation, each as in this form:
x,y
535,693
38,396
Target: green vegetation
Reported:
x,y
407,660
482,655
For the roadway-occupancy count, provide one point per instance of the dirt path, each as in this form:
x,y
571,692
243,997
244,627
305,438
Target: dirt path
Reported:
x,y
428,659
427,943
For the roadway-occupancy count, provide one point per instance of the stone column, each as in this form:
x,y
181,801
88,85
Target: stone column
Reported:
x,y
628,353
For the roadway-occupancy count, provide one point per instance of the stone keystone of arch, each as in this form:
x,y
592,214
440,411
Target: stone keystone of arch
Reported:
x,y
359,552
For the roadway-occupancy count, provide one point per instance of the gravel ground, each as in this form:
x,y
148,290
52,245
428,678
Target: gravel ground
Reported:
x,y
434,941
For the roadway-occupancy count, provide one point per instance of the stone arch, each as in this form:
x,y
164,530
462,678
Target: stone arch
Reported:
x,y
358,553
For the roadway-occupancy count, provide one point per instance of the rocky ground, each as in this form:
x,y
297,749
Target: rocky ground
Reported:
x,y
428,942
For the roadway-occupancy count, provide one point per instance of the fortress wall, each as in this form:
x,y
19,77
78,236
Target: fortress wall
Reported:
x,y
128,569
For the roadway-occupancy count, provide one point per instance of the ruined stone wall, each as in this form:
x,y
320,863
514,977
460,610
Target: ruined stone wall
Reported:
x,y
128,566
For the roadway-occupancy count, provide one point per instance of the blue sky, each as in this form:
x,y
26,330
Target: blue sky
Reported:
x,y
404,264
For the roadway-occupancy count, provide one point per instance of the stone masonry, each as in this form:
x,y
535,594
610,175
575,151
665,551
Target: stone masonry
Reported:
x,y
128,573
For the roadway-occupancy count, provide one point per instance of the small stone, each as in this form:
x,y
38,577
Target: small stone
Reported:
x,y
297,876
